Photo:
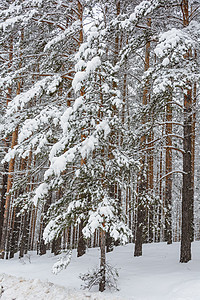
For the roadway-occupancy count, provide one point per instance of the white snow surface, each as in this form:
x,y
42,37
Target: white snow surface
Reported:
x,y
154,276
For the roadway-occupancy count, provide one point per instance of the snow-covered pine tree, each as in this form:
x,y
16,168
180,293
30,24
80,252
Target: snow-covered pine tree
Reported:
x,y
87,187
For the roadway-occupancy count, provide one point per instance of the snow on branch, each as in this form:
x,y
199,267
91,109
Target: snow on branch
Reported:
x,y
13,8
7,81
32,125
48,85
40,192
62,263
104,216
82,76
141,10
63,35
171,173
85,148
21,18
175,40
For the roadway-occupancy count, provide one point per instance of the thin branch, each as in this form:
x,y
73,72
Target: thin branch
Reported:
x,y
176,103
49,22
173,123
170,173
163,137
174,148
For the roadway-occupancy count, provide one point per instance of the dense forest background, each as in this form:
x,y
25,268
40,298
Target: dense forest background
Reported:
x,y
99,125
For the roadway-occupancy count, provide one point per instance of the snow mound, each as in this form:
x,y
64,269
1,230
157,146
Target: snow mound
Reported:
x,y
13,288
186,291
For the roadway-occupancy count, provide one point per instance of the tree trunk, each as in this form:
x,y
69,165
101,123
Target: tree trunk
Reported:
x,y
24,235
140,217
3,197
168,181
187,190
15,233
142,187
8,198
81,249
187,197
102,284
193,151
56,246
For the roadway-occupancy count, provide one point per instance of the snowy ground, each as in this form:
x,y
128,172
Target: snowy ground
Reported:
x,y
157,275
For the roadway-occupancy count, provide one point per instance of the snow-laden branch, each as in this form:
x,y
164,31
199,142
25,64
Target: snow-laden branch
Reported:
x,y
63,35
21,18
47,85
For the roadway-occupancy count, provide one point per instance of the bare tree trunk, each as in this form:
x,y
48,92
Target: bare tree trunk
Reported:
x,y
81,249
140,216
187,190
6,202
24,235
15,233
142,187
168,181
193,150
102,284
150,174
56,246
187,198
8,197
3,197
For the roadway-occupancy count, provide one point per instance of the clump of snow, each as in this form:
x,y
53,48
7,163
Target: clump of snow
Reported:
x,y
88,145
58,164
165,61
82,76
78,80
40,192
10,155
93,64
104,126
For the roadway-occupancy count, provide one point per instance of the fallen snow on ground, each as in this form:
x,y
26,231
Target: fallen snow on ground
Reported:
x,y
157,275
13,288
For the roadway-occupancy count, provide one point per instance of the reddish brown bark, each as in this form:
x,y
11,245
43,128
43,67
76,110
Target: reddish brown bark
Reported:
x,y
8,197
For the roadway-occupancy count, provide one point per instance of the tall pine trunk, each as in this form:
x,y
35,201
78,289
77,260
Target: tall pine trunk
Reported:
x,y
142,186
168,180
187,190
3,196
187,197
5,229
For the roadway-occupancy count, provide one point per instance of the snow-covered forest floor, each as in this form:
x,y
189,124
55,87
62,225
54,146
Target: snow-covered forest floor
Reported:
x,y
154,276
